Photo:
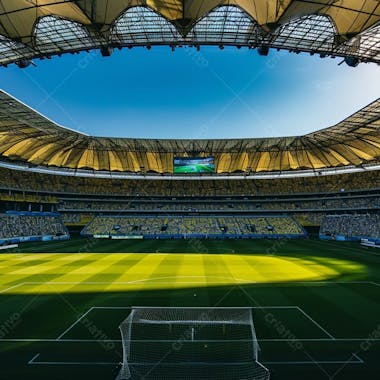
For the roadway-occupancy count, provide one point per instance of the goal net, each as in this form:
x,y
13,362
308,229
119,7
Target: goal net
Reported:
x,y
191,344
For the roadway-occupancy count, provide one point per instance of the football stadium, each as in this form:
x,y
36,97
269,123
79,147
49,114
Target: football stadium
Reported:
x,y
246,258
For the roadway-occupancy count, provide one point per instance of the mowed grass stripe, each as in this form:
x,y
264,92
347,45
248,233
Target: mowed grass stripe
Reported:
x,y
146,272
115,272
167,272
240,268
309,267
66,282
343,309
191,269
137,277
47,271
165,279
104,272
51,262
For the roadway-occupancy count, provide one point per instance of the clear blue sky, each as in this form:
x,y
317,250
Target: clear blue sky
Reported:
x,y
186,94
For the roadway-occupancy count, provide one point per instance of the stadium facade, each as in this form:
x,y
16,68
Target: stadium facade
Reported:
x,y
326,182
118,187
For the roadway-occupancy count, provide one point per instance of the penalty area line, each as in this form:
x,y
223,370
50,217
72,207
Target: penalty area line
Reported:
x,y
312,362
34,362
31,361
288,362
315,323
74,323
357,357
279,340
190,307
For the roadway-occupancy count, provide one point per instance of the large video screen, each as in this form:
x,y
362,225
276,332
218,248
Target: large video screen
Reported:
x,y
186,165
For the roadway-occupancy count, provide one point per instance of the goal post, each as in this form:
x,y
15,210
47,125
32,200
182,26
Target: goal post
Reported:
x,y
172,343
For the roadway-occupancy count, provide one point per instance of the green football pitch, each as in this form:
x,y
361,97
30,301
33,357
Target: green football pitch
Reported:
x,y
316,305
194,168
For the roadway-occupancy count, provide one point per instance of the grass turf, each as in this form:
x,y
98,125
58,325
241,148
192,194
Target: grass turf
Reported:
x,y
196,168
316,303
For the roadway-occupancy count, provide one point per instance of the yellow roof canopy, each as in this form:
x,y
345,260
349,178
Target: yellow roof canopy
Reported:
x,y
28,137
347,28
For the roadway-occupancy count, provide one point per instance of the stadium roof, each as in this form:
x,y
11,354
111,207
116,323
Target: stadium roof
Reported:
x,y
346,28
28,137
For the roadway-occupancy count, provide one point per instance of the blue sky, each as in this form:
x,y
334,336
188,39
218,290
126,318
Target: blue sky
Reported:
x,y
188,94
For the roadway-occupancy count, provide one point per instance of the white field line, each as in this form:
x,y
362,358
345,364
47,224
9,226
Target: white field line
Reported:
x,y
12,287
204,277
316,323
149,280
73,324
290,362
34,362
279,340
73,363
299,362
320,340
358,357
152,281
33,359
254,307
373,253
191,307
155,307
